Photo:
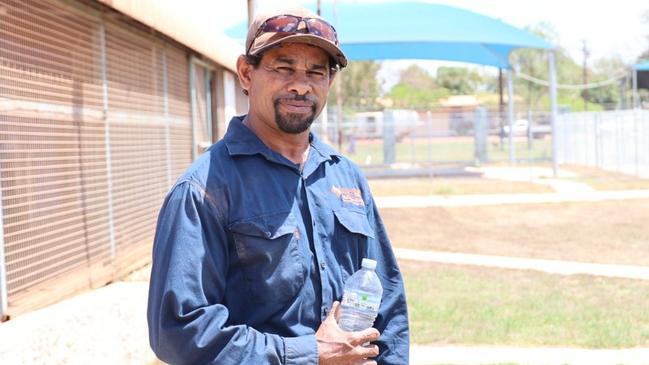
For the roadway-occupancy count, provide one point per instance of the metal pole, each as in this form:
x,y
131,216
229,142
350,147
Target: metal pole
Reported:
x,y
165,93
109,170
636,134
510,116
251,11
553,112
501,108
598,142
429,119
3,273
208,103
635,88
192,98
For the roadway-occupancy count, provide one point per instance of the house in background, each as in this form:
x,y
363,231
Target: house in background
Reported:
x,y
102,105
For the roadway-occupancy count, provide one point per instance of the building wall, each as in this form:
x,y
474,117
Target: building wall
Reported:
x,y
98,116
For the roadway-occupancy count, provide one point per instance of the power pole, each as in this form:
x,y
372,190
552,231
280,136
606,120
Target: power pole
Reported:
x,y
501,109
584,93
251,11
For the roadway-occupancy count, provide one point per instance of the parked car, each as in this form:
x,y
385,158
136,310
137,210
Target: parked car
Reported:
x,y
521,127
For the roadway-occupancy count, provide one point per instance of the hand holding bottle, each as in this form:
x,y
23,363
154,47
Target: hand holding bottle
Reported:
x,y
339,347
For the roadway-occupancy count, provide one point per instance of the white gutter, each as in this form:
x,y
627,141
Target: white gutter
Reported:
x,y
186,22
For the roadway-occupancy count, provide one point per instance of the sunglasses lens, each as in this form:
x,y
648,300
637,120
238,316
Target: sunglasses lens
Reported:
x,y
281,24
321,29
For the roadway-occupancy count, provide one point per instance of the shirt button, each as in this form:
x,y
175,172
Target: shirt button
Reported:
x,y
322,266
325,311
314,223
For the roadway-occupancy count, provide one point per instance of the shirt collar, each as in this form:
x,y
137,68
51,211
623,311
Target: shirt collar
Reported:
x,y
240,140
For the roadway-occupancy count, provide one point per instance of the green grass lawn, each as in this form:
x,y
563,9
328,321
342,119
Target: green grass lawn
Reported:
x,y
449,149
466,305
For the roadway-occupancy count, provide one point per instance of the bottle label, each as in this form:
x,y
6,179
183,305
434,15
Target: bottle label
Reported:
x,y
361,300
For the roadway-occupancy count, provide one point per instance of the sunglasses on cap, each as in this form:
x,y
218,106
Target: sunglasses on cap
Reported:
x,y
290,24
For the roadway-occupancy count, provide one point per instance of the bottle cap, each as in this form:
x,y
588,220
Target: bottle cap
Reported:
x,y
368,264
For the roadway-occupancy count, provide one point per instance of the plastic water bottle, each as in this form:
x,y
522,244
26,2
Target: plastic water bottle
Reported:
x,y
361,298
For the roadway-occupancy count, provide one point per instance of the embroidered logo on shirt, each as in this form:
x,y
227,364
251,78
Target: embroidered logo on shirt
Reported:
x,y
348,195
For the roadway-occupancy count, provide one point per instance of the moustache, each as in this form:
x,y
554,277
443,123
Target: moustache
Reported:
x,y
302,98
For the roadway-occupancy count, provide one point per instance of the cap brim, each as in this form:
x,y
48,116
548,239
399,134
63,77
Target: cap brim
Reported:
x,y
334,51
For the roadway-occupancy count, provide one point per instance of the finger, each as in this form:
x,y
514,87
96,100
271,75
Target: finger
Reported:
x,y
335,310
369,351
368,335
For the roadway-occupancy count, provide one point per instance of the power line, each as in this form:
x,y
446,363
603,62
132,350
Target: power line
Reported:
x,y
592,85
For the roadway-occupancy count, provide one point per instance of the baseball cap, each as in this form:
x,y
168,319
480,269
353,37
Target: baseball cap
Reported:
x,y
296,25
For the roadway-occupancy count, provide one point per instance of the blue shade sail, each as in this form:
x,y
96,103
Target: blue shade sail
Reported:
x,y
411,30
643,66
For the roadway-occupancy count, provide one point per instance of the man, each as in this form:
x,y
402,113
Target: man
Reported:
x,y
256,240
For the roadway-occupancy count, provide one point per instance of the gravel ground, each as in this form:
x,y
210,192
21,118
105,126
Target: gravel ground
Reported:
x,y
102,326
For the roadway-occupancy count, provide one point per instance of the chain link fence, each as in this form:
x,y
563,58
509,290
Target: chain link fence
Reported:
x,y
613,140
409,139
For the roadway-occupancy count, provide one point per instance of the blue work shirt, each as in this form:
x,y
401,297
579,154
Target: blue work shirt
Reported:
x,y
251,251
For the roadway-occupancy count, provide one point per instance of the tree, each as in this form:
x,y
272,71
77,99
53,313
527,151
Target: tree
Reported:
x,y
458,80
533,62
607,96
360,86
417,77
416,89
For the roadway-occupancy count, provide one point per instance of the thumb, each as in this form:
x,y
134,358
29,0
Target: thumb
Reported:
x,y
335,310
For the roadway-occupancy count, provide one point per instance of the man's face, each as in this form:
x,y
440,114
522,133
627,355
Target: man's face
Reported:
x,y
289,87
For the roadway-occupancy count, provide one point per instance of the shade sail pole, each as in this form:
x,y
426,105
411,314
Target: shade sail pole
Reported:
x,y
553,112
510,115
635,88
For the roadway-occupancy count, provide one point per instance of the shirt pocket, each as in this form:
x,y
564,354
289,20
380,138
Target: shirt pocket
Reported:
x,y
354,221
352,232
267,248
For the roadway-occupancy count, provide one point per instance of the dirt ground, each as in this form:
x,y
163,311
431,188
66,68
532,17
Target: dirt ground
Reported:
x,y
613,232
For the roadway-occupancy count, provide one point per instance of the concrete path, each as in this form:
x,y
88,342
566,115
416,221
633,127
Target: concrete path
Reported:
x,y
106,326
410,201
548,266
465,355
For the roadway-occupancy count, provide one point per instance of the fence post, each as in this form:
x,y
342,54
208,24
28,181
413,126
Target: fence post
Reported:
x,y
618,120
480,135
389,139
598,142
636,141
429,120
3,272
165,93
109,174
510,116
553,111
530,135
